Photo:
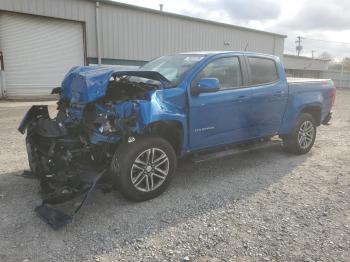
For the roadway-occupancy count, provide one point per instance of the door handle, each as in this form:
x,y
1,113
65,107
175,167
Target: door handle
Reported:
x,y
239,99
279,93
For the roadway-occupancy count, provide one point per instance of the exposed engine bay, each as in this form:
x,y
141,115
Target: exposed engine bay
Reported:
x,y
70,152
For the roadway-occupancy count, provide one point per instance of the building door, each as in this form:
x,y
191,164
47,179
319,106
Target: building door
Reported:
x,y
38,52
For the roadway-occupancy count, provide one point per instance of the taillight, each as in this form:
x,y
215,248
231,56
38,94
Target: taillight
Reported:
x,y
334,92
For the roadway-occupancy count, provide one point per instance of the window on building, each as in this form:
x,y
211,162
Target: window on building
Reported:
x,y
263,71
227,70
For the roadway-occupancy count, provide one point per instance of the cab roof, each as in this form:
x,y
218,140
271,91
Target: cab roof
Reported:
x,y
213,53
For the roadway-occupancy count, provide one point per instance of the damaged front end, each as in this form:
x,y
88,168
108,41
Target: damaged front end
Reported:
x,y
70,153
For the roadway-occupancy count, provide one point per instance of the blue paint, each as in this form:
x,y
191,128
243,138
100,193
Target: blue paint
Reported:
x,y
86,84
96,138
208,119
207,85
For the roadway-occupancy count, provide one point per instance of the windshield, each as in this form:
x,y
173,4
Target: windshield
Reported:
x,y
173,67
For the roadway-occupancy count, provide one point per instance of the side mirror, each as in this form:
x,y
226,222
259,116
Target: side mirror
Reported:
x,y
206,85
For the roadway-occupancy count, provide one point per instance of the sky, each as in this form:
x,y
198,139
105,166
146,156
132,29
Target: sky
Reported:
x,y
314,20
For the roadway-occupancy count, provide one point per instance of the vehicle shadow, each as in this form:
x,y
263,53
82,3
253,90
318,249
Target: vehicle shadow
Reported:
x,y
196,189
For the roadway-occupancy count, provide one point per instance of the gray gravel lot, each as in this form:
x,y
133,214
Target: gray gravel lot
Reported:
x,y
264,205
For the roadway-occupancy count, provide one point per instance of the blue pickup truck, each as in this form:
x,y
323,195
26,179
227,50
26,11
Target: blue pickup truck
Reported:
x,y
132,126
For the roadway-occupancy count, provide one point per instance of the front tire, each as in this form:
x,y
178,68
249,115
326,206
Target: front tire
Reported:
x,y
303,136
143,169
34,162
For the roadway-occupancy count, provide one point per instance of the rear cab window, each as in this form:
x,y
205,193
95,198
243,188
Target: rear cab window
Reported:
x,y
263,71
227,70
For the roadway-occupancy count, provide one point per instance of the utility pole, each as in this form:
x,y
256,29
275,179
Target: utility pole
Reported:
x,y
312,53
342,72
98,33
2,76
299,47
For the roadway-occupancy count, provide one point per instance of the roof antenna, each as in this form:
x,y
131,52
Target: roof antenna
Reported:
x,y
246,46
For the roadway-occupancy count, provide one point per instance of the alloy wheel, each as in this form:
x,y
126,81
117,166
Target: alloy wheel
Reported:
x,y
306,134
150,169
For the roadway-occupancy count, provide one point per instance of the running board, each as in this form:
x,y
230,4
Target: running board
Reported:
x,y
202,157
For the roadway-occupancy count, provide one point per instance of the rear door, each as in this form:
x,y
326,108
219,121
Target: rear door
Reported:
x,y
269,95
220,117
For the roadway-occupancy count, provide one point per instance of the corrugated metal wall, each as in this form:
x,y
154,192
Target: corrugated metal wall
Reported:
x,y
279,47
340,79
136,34
304,63
299,73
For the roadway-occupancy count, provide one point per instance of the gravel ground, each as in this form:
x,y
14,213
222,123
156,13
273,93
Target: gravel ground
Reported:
x,y
264,205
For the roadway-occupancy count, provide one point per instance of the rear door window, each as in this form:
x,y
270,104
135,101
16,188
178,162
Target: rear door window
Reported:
x,y
263,71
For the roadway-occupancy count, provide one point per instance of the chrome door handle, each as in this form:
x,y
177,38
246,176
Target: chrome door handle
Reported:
x,y
279,93
239,99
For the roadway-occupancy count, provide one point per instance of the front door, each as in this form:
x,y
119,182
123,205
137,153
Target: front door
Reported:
x,y
221,117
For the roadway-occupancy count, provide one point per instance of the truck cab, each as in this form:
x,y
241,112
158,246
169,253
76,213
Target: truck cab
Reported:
x,y
249,101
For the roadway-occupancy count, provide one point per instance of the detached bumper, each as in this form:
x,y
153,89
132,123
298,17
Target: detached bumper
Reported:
x,y
35,112
61,162
58,218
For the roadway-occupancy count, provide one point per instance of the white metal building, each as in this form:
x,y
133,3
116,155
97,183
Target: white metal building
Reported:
x,y
302,66
40,40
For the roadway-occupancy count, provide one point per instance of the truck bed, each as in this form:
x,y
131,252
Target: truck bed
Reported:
x,y
311,91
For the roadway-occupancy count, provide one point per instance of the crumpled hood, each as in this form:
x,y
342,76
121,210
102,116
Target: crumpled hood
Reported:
x,y
85,84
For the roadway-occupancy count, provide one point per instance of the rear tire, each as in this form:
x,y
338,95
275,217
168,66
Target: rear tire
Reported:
x,y
302,138
143,169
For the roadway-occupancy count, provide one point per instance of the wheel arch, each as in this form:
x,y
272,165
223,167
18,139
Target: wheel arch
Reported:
x,y
170,130
313,110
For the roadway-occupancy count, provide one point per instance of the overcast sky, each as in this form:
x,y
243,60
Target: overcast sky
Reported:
x,y
314,19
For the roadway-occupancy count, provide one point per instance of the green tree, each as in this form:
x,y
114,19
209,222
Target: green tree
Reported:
x,y
325,55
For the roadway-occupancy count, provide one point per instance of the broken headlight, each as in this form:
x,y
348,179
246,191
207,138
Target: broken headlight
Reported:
x,y
107,127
